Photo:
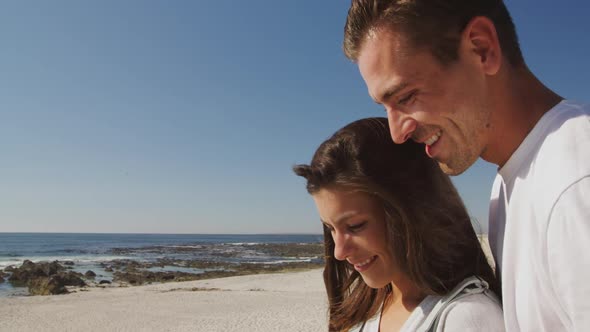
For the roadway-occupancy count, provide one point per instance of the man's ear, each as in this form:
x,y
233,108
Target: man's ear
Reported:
x,y
479,40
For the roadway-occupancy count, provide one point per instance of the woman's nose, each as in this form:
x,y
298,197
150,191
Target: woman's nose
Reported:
x,y
343,245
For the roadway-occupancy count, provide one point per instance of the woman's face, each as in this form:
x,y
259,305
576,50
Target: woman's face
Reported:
x,y
357,222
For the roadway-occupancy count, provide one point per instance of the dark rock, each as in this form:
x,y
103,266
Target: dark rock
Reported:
x,y
55,284
168,277
29,271
290,249
109,269
89,274
47,286
45,278
72,279
9,268
139,277
70,263
102,282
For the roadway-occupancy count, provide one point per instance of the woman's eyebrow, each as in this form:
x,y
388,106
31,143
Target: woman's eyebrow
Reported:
x,y
343,217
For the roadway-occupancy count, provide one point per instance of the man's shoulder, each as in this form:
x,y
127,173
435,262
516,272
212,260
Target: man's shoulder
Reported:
x,y
559,140
566,120
562,156
563,148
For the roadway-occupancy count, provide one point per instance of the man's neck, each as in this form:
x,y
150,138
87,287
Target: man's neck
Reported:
x,y
519,103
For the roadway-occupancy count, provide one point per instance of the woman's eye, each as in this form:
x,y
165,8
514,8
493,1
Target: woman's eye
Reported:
x,y
357,227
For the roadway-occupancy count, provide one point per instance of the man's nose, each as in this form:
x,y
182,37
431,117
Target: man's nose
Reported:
x,y
401,126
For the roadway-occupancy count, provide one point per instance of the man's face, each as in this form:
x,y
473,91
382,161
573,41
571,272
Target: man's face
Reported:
x,y
446,108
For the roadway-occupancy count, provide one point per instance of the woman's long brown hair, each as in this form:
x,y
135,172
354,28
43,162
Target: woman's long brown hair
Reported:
x,y
428,226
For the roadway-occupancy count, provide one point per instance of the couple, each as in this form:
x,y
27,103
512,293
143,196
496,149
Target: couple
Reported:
x,y
401,252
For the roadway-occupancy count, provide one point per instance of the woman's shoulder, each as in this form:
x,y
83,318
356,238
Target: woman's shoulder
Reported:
x,y
474,312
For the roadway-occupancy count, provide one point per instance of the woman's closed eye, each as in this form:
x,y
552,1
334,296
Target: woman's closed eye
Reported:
x,y
354,228
357,227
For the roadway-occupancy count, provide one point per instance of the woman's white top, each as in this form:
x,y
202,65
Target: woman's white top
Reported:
x,y
471,306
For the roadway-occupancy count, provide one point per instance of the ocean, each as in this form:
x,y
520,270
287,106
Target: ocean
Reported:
x,y
88,251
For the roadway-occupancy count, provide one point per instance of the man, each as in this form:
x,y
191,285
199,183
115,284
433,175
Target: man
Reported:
x,y
450,74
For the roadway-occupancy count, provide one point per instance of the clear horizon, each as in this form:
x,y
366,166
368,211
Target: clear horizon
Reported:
x,y
144,117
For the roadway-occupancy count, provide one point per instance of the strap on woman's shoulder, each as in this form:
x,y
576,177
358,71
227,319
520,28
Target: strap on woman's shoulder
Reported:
x,y
471,285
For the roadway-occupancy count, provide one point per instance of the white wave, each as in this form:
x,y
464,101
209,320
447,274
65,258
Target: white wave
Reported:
x,y
17,261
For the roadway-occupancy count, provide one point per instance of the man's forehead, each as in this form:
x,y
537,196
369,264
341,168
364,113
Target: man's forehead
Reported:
x,y
384,65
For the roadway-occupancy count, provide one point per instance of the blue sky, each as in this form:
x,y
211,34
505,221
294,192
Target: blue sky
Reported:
x,y
186,116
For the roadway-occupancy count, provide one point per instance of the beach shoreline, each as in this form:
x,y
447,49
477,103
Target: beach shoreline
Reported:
x,y
284,300
45,263
289,301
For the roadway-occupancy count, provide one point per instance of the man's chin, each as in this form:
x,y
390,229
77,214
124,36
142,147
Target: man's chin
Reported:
x,y
453,170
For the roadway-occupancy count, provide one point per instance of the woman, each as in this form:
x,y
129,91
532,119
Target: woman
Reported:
x,y
401,253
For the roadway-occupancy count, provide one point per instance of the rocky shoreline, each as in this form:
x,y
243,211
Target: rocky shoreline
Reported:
x,y
159,264
286,302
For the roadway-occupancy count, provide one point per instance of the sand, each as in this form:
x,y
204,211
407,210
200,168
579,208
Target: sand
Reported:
x,y
286,302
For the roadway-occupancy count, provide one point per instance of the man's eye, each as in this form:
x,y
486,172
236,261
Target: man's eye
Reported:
x,y
407,98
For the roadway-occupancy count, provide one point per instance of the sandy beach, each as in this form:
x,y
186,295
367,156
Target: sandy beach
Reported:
x,y
294,301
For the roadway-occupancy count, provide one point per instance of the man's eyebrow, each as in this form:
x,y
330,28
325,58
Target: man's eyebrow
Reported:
x,y
390,91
